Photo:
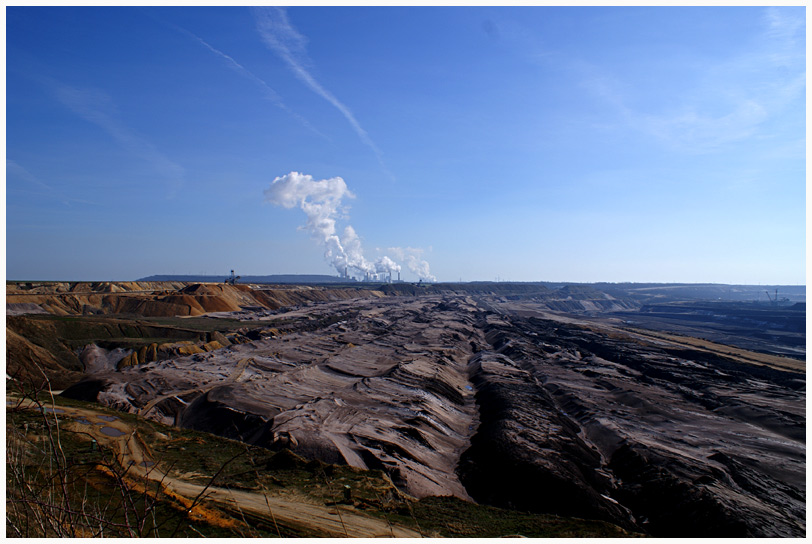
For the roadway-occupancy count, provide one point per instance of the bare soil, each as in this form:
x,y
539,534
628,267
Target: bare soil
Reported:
x,y
463,396
671,418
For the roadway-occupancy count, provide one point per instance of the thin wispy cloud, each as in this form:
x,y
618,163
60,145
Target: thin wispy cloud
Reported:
x,y
98,108
784,26
282,38
519,40
731,101
268,92
15,171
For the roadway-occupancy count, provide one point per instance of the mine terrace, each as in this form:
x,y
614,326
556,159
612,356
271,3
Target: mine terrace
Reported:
x,y
659,409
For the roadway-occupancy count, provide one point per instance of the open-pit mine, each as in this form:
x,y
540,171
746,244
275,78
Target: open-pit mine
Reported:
x,y
661,414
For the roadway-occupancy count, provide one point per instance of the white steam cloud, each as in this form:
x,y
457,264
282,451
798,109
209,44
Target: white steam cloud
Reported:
x,y
320,200
412,256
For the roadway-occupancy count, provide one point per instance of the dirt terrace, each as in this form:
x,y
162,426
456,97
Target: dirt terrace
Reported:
x,y
453,395
613,426
375,385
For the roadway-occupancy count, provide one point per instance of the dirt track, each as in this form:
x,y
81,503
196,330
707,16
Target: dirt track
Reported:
x,y
285,509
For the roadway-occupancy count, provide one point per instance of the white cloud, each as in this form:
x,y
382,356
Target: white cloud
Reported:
x,y
785,25
321,201
413,257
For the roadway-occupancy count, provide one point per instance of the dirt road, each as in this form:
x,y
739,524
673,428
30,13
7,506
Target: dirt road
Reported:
x,y
112,432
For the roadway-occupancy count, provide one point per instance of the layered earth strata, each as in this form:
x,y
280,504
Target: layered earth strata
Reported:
x,y
162,299
455,394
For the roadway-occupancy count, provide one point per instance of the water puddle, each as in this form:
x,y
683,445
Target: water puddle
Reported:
x,y
108,418
110,431
83,421
147,463
53,410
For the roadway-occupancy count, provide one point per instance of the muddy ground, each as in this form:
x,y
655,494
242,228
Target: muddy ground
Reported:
x,y
487,399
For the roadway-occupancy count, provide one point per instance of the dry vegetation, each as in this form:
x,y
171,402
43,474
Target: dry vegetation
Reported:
x,y
485,392
65,479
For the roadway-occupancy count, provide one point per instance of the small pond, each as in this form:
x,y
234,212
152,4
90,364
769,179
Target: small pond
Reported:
x,y
110,431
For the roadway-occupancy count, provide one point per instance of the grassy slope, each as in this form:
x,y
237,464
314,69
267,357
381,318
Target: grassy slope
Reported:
x,y
199,456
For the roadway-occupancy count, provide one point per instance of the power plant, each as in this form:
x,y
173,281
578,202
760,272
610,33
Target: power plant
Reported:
x,y
370,277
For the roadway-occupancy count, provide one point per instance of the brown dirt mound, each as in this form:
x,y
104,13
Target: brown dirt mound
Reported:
x,y
29,363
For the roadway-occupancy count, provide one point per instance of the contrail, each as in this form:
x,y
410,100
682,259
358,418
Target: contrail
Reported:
x,y
267,90
279,35
13,169
98,108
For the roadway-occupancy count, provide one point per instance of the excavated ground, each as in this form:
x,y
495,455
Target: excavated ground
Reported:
x,y
456,395
611,426
375,384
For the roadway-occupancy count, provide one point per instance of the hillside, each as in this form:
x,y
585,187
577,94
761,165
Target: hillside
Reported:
x,y
623,412
161,299
298,279
126,476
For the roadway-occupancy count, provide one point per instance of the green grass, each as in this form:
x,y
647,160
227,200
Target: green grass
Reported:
x,y
203,324
241,466
62,336
453,517
82,478
88,483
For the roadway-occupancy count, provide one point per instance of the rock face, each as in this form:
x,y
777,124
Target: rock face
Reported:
x,y
460,395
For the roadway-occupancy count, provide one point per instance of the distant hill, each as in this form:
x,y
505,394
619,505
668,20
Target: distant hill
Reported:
x,y
276,278
707,291
642,292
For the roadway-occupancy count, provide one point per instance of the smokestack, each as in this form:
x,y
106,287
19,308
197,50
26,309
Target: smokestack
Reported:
x,y
398,276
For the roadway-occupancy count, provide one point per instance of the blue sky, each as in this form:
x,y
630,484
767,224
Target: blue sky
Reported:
x,y
526,144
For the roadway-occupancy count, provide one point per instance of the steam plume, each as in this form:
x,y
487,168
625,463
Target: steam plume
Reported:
x,y
321,200
414,261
